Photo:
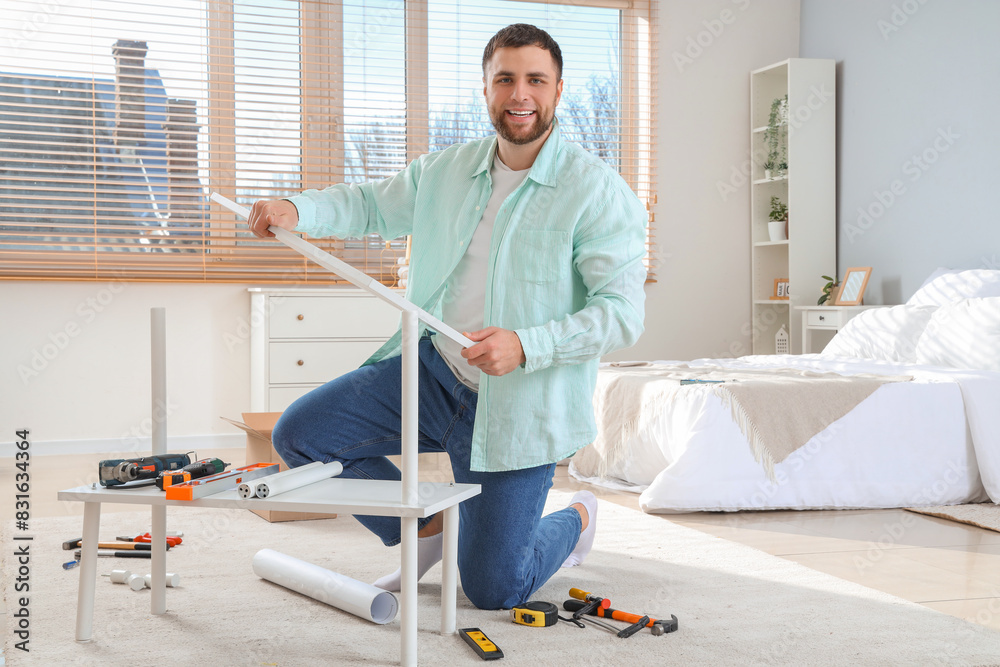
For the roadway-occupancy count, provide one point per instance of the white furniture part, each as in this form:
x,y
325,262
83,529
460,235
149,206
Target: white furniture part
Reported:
x,y
826,319
808,189
303,338
331,496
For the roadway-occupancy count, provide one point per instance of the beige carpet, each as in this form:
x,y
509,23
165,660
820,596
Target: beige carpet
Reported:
x,y
984,515
736,605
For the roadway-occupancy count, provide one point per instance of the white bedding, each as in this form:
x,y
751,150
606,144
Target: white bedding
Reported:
x,y
932,441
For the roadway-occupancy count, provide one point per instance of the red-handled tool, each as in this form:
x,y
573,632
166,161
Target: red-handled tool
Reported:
x,y
657,627
588,597
171,540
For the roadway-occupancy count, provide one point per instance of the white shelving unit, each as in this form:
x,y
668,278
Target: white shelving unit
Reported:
x,y
808,189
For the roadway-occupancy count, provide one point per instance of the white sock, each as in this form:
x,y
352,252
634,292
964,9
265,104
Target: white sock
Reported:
x,y
428,553
588,500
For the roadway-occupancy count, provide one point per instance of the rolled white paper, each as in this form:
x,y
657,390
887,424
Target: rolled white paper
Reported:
x,y
278,475
337,590
297,478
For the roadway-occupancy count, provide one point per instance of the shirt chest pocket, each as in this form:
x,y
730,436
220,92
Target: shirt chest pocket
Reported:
x,y
542,256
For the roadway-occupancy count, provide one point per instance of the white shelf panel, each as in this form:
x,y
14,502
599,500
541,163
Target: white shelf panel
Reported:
x,y
330,496
770,302
761,244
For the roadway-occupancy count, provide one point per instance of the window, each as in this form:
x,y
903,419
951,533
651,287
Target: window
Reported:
x,y
118,119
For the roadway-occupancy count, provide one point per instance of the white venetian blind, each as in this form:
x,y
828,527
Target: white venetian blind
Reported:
x,y
118,119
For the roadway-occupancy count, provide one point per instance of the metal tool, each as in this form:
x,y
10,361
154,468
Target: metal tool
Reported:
x,y
196,470
116,472
656,627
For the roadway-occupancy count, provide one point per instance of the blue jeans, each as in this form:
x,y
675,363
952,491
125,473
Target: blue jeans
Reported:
x,y
506,549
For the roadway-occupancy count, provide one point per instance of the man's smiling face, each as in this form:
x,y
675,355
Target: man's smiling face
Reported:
x,y
522,91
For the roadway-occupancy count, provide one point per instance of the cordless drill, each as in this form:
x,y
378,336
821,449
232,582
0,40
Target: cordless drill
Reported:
x,y
115,472
196,470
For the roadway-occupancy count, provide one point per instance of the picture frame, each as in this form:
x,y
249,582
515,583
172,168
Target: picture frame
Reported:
x,y
781,292
852,287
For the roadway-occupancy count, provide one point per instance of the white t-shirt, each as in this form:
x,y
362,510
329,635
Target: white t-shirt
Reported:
x,y
465,294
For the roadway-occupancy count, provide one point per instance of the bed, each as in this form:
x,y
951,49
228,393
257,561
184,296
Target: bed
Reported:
x,y
926,432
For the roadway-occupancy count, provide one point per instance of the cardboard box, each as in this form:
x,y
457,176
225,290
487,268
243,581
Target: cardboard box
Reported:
x,y
258,427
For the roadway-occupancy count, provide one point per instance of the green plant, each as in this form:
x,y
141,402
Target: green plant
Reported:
x,y
773,134
769,165
779,211
831,284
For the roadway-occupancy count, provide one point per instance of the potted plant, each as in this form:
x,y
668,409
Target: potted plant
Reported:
x,y
777,228
768,168
829,291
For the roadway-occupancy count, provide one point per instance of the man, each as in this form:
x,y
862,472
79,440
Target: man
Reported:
x,y
534,248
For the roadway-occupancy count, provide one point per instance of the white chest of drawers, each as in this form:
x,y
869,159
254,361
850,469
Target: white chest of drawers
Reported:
x,y
303,338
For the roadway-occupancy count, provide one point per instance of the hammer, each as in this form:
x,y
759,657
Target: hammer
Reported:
x,y
657,627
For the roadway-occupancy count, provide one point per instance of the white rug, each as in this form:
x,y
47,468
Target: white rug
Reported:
x,y
984,515
736,605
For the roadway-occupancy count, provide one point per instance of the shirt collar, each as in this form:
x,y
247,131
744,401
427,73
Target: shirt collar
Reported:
x,y
543,171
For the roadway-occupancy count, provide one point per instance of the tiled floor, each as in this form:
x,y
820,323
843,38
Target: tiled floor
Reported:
x,y
947,566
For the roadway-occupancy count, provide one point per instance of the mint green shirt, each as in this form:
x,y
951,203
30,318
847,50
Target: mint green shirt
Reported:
x,y
565,273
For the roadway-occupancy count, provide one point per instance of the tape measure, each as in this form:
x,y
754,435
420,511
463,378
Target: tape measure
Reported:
x,y
536,614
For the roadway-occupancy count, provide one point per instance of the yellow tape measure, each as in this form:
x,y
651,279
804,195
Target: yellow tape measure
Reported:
x,y
535,614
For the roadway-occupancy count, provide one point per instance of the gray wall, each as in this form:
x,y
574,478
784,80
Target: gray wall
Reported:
x,y
918,134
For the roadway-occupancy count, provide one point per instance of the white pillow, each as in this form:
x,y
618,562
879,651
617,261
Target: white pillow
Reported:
x,y
947,287
884,334
964,334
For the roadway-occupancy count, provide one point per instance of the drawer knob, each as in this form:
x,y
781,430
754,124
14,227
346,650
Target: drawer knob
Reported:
x,y
822,318
301,317
300,362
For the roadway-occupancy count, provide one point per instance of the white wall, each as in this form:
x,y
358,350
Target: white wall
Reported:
x,y
701,305
918,96
90,341
75,359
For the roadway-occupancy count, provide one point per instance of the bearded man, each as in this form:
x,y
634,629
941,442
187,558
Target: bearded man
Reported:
x,y
534,248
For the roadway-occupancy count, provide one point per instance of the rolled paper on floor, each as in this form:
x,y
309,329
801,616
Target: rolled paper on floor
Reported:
x,y
253,484
300,479
337,590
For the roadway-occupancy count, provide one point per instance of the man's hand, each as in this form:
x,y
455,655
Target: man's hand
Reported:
x,y
498,351
267,212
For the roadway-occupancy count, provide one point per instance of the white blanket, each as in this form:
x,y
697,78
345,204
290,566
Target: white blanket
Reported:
x,y
935,440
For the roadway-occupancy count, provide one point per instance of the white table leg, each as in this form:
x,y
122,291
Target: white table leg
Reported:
x,y
158,561
88,572
408,587
449,572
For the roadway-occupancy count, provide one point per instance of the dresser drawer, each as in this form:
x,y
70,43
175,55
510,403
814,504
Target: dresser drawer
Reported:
x,y
321,361
832,319
332,316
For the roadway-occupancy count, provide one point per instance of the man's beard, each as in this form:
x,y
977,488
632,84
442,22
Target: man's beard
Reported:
x,y
540,127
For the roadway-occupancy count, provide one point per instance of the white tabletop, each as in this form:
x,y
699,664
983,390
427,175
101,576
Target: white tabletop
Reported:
x,y
329,496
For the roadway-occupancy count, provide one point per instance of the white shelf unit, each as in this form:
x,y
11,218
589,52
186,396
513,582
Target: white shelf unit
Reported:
x,y
302,338
808,189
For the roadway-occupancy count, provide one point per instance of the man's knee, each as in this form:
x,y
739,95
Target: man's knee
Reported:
x,y
493,592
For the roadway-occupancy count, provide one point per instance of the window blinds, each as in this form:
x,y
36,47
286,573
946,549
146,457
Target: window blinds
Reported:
x,y
118,119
